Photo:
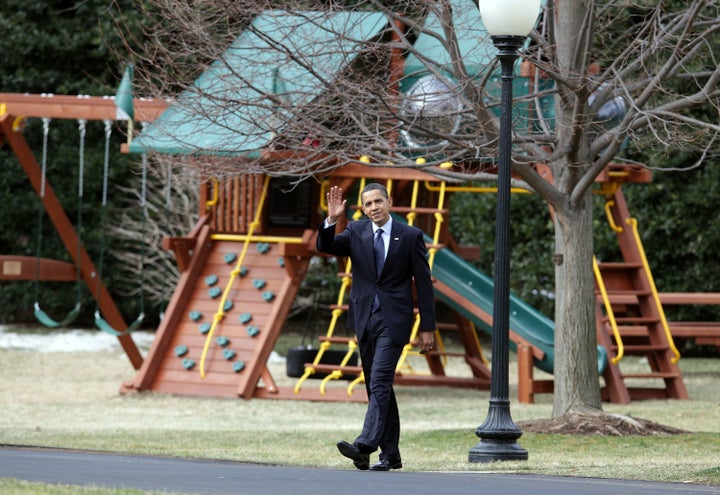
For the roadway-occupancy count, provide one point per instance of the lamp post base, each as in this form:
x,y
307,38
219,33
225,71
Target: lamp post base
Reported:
x,y
493,450
498,436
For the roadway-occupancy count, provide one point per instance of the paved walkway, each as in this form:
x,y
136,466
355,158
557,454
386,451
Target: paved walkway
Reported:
x,y
220,477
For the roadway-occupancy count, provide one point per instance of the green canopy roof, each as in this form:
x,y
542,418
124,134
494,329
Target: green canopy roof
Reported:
x,y
477,53
473,42
232,109
228,112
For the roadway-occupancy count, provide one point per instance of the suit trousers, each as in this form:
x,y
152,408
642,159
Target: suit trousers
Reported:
x,y
379,357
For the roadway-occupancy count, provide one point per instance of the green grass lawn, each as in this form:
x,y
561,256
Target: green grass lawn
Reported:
x,y
71,400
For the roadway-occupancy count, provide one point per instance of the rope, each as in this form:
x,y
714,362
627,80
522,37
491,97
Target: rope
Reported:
x,y
233,275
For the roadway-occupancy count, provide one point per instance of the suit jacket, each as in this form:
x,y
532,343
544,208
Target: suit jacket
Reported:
x,y
406,260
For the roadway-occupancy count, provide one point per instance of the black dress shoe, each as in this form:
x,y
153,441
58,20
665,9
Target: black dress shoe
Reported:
x,y
385,465
349,450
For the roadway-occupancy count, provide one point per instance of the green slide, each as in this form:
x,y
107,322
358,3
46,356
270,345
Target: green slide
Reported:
x,y
460,278
469,291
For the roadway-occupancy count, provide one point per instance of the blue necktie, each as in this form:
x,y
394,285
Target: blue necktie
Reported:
x,y
379,249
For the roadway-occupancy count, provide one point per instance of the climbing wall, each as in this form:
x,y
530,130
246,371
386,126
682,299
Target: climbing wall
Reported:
x,y
255,308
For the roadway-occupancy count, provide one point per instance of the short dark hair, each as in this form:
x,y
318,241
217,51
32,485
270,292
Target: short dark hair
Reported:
x,y
375,186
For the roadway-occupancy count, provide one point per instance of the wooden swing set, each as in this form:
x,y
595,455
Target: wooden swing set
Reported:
x,y
14,109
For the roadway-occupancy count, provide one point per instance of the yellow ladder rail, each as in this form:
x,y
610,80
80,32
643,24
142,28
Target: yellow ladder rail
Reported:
x,y
413,204
431,258
310,370
646,266
215,194
616,228
610,312
233,275
337,374
480,189
346,282
256,238
483,359
411,216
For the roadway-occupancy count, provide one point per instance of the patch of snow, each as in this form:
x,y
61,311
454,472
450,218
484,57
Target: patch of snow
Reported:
x,y
73,340
276,358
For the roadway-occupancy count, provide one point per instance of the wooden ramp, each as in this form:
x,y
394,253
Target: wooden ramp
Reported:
x,y
255,309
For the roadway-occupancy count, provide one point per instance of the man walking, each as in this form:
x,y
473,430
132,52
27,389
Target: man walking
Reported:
x,y
386,258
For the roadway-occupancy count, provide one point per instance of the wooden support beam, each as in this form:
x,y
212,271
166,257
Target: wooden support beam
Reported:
x,y
77,107
357,171
29,268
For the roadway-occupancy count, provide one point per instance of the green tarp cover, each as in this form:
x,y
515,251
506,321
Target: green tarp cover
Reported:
x,y
227,112
477,52
475,47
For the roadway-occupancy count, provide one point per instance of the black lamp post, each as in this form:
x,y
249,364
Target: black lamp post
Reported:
x,y
508,22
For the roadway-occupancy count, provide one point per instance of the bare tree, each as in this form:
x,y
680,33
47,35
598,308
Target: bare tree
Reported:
x,y
154,206
419,80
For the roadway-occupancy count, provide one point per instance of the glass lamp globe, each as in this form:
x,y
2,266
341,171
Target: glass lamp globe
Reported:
x,y
509,17
430,105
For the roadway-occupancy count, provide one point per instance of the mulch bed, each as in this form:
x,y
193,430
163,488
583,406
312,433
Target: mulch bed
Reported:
x,y
591,422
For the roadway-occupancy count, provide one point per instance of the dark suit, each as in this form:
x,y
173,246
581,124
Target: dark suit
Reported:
x,y
383,334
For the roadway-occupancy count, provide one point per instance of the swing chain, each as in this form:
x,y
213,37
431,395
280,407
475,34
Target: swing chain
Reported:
x,y
46,132
106,161
81,156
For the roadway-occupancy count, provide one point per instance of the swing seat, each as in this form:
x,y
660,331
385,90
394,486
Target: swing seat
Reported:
x,y
103,325
43,317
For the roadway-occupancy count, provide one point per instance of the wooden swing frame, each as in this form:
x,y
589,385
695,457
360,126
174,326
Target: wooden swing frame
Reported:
x,y
14,108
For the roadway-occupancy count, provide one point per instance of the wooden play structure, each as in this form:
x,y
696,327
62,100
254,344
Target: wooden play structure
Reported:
x,y
240,278
276,261
243,263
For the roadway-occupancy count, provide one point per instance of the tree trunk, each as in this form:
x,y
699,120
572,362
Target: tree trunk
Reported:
x,y
576,375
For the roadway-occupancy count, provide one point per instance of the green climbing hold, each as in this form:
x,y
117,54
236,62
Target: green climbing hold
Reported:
x,y
252,330
181,350
204,328
228,354
211,280
227,306
245,318
243,271
222,341
263,247
238,366
214,292
230,257
258,283
188,364
268,295
195,315
281,261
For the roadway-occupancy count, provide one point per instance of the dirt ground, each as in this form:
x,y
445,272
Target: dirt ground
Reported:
x,y
590,422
